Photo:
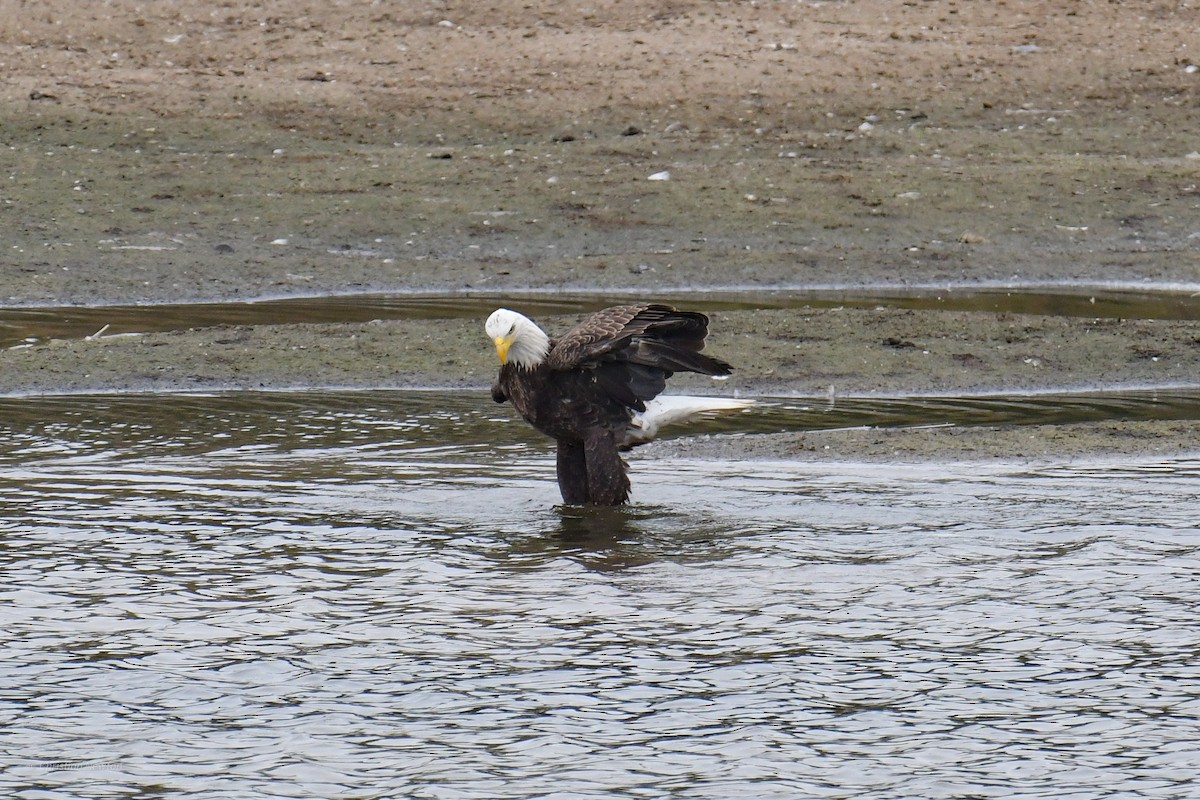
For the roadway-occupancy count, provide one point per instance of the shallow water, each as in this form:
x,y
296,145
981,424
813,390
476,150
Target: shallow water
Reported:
x,y
372,594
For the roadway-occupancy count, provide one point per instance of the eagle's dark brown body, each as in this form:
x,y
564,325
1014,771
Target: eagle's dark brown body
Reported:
x,y
586,390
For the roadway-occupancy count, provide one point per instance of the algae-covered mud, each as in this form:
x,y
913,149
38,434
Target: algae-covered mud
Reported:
x,y
804,351
167,154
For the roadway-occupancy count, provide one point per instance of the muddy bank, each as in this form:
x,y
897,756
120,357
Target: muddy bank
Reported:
x,y
160,153
806,352
823,354
820,353
1019,444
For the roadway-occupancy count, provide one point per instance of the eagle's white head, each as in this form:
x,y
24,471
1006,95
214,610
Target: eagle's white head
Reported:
x,y
517,338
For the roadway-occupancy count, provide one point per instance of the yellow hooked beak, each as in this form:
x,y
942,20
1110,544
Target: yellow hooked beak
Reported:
x,y
502,345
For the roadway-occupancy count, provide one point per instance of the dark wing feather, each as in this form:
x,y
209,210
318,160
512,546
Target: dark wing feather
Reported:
x,y
630,384
632,350
610,334
598,334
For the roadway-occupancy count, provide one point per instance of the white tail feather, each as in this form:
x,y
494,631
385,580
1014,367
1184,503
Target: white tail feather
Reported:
x,y
676,409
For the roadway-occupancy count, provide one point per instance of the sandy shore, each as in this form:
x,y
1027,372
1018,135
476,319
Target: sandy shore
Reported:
x,y
166,154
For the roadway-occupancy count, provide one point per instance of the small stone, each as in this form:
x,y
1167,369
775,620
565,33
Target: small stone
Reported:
x,y
660,176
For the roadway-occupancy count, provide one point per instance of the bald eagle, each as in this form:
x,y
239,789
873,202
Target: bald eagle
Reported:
x,y
593,390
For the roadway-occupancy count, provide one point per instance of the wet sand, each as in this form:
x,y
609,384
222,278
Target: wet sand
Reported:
x,y
161,154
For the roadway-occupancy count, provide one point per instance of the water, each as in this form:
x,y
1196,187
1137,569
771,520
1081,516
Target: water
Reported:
x,y
373,595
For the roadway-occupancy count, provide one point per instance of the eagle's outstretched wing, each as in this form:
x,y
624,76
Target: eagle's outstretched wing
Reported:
x,y
631,350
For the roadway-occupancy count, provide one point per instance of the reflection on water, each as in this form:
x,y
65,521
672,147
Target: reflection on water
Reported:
x,y
371,594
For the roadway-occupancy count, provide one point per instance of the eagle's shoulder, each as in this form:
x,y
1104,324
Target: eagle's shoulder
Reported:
x,y
602,332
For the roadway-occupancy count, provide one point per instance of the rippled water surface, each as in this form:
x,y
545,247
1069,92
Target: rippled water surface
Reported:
x,y
373,595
